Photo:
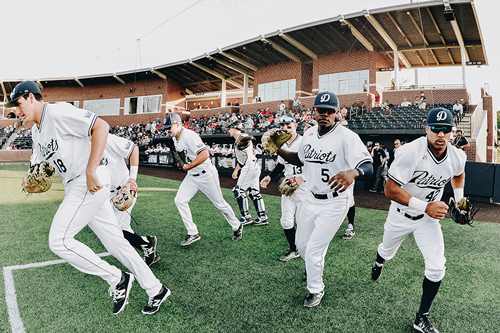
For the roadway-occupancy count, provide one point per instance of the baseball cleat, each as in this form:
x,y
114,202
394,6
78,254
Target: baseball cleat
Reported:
x,y
349,232
246,220
190,239
121,291
237,233
423,324
376,271
289,255
150,254
261,221
313,299
155,302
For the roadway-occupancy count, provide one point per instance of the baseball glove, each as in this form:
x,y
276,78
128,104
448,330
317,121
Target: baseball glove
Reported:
x,y
125,197
288,186
462,212
244,141
273,139
37,179
178,158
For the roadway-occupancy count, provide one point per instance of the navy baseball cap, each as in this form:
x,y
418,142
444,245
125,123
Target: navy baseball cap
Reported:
x,y
171,119
22,89
326,100
286,119
440,117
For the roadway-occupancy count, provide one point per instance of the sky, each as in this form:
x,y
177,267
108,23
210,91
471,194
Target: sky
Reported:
x,y
61,38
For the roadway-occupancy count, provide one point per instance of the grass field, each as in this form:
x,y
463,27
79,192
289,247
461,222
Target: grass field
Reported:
x,y
223,286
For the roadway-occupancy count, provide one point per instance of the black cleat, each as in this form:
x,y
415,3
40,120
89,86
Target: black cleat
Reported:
x,y
238,233
376,271
313,299
121,291
150,254
246,220
423,324
155,302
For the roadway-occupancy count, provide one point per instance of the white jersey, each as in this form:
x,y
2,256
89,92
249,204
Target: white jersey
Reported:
x,y
325,156
419,173
117,149
290,169
190,143
245,155
62,139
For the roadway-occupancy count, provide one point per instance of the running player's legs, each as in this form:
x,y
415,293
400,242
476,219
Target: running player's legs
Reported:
x,y
288,208
429,238
209,184
124,218
105,227
186,191
396,228
74,213
326,224
305,224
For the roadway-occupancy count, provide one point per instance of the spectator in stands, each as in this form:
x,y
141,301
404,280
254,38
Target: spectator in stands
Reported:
x,y
405,102
365,86
344,122
237,103
458,110
460,141
282,107
423,100
356,104
249,124
377,99
386,111
393,85
254,100
379,159
266,112
384,104
397,144
296,104
230,103
417,101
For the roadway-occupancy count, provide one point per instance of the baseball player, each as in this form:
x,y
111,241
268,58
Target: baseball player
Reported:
x,y
332,156
116,150
417,178
201,175
248,181
289,205
60,138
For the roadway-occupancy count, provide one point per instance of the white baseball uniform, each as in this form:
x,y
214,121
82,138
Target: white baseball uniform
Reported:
x,y
323,210
62,140
419,173
248,181
291,205
203,177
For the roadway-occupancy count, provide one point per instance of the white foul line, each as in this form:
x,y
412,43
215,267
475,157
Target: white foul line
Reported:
x,y
16,323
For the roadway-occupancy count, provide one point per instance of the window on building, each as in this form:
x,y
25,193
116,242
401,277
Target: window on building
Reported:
x,y
142,104
279,90
103,107
343,83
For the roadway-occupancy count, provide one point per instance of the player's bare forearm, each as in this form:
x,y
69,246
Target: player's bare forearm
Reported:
x,y
200,158
235,172
290,157
394,192
458,181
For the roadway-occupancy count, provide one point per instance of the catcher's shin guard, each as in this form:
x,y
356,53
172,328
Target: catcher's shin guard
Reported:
x,y
258,202
241,198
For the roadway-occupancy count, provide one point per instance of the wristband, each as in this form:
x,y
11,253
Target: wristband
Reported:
x,y
458,193
133,171
417,204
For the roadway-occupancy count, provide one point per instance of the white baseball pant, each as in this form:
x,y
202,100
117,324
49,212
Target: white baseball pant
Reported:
x,y
290,206
428,236
123,217
208,183
80,208
317,222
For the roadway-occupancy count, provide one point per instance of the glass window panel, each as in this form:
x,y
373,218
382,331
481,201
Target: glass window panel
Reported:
x,y
103,107
323,78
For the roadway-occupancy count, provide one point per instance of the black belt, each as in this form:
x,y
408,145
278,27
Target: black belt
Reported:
x,y
201,173
413,218
325,196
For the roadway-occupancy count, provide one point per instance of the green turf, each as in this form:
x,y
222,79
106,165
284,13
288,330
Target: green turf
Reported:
x,y
223,286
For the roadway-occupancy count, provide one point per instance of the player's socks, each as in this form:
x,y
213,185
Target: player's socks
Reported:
x,y
430,290
134,239
350,215
290,237
380,261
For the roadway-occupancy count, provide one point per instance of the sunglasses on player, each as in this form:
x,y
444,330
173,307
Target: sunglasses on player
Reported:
x,y
324,110
438,129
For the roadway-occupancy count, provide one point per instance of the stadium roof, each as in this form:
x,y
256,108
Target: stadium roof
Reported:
x,y
428,34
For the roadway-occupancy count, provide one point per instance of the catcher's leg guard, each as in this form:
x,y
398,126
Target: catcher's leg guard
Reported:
x,y
241,198
258,202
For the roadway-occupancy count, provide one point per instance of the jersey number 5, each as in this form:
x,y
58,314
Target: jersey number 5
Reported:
x,y
325,177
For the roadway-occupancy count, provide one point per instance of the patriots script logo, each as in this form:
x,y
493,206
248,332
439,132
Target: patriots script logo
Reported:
x,y
48,149
314,156
424,180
